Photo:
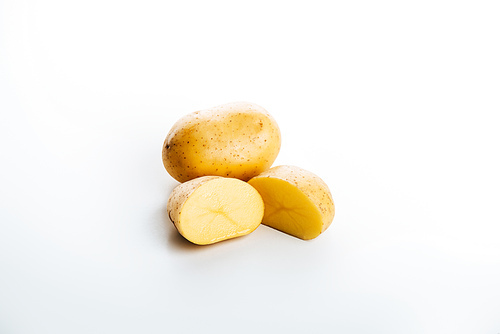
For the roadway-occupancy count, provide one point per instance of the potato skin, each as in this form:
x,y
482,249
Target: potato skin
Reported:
x,y
308,183
239,140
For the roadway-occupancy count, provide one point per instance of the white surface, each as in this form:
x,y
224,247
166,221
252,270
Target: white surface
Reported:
x,y
393,103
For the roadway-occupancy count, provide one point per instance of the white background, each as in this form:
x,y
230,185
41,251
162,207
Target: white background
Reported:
x,y
393,103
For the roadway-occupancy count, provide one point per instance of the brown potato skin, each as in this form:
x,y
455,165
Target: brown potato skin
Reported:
x,y
239,140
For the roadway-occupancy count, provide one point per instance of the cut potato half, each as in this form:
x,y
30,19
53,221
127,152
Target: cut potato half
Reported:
x,y
210,209
297,201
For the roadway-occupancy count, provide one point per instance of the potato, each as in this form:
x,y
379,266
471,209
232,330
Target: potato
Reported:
x,y
296,201
209,209
238,140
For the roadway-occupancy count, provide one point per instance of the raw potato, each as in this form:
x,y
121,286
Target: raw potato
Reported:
x,y
239,140
296,201
209,209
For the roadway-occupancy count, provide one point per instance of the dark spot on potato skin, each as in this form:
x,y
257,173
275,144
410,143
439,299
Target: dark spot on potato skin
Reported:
x,y
170,217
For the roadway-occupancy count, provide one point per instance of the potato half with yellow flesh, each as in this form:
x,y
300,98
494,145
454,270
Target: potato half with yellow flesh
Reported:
x,y
209,209
296,201
239,140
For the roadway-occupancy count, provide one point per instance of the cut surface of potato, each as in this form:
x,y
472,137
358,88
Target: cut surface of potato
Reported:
x,y
211,209
238,140
297,201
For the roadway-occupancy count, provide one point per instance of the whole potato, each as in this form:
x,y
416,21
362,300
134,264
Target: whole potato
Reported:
x,y
239,140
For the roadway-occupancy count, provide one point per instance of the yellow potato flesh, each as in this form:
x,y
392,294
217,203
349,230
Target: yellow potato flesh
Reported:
x,y
220,209
288,209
